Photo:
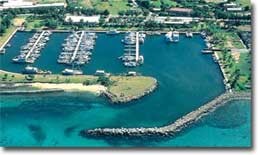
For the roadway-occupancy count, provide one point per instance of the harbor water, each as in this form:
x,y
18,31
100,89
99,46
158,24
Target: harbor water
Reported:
x,y
187,79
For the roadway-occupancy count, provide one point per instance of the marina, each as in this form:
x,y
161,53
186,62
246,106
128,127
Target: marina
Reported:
x,y
169,67
126,73
31,51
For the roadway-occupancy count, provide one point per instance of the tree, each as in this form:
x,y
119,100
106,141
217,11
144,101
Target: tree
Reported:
x,y
51,23
103,80
106,12
81,23
86,82
145,4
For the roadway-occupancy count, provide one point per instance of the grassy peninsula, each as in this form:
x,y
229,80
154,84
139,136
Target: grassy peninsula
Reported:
x,y
120,87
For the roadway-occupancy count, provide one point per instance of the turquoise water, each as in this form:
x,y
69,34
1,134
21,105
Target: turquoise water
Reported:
x,y
187,79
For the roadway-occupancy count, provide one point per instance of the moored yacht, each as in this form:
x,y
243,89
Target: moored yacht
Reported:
x,y
71,72
113,32
175,36
168,36
30,70
189,34
19,59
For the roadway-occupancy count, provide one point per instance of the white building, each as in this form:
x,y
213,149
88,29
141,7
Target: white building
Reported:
x,y
175,20
17,3
14,4
234,9
77,19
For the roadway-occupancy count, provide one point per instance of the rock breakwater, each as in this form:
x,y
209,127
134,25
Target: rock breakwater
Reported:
x,y
171,129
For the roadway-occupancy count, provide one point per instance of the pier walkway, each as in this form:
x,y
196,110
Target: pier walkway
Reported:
x,y
137,47
34,45
175,127
9,38
77,47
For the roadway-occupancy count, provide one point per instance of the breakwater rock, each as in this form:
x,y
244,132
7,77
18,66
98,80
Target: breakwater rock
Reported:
x,y
171,129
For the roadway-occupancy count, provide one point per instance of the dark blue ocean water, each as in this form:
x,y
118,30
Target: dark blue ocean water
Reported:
x,y
187,79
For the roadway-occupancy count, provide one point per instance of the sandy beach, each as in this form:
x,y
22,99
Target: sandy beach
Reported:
x,y
70,87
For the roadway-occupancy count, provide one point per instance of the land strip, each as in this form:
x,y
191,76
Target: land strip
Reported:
x,y
121,88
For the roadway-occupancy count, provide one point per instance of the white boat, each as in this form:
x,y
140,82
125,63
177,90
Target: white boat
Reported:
x,y
19,59
71,72
2,51
142,37
203,34
141,40
189,34
130,64
128,41
141,59
175,36
168,36
113,32
31,70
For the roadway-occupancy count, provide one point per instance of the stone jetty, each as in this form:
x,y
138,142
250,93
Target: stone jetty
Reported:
x,y
175,127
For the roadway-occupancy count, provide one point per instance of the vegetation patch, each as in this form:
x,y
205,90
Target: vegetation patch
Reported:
x,y
8,77
127,88
113,6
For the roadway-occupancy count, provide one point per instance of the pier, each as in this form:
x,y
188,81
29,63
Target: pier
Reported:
x,y
77,47
175,127
9,38
131,56
31,51
137,47
34,45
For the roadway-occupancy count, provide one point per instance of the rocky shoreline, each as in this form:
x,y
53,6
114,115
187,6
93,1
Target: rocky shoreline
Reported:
x,y
117,99
171,129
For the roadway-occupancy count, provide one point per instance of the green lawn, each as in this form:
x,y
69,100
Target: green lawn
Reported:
x,y
234,40
52,78
34,24
244,63
158,3
130,86
113,6
244,3
229,40
240,2
122,86
245,71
